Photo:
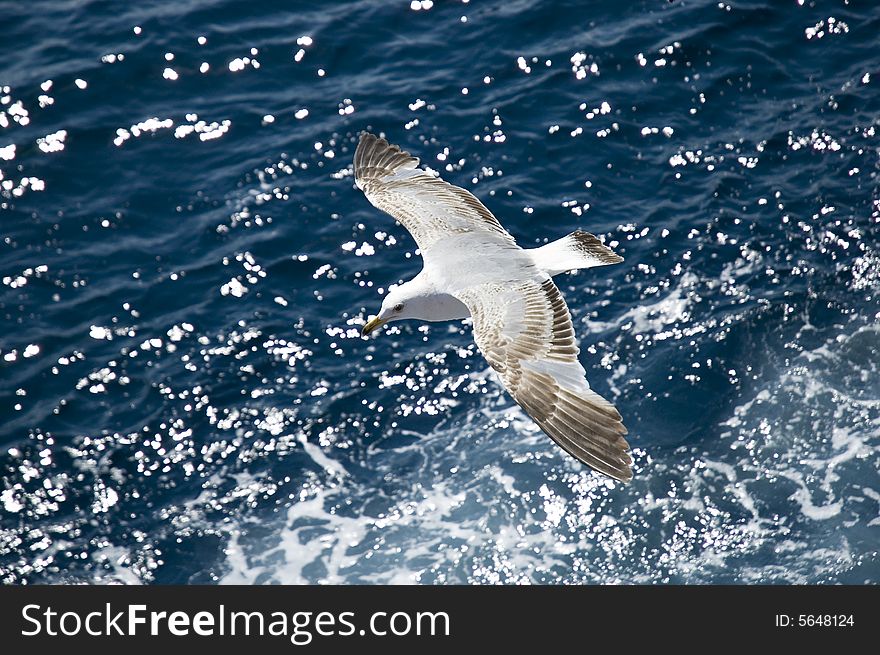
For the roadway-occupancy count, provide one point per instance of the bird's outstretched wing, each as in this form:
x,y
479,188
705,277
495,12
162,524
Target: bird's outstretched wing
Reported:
x,y
429,208
524,330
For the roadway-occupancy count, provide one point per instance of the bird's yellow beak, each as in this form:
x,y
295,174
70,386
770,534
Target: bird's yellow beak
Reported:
x,y
371,325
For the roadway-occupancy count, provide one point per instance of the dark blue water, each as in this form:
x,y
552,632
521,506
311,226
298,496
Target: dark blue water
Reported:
x,y
185,263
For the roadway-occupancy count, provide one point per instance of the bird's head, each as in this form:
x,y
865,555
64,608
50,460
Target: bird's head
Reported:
x,y
401,302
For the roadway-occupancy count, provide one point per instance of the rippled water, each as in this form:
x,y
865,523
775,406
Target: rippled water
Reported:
x,y
185,263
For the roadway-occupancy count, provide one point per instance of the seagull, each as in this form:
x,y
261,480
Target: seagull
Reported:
x,y
472,267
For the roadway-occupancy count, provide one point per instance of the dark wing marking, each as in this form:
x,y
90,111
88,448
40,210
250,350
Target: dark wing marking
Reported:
x,y
429,208
526,334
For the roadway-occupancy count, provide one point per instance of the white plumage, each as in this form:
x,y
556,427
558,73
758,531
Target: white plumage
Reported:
x,y
473,267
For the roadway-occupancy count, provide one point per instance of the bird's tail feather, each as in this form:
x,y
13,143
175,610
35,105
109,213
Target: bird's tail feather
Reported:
x,y
577,250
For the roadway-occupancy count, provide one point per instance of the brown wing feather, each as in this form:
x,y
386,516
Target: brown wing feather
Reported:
x,y
429,208
527,336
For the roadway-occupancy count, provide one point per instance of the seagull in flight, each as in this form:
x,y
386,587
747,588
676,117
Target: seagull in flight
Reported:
x,y
522,326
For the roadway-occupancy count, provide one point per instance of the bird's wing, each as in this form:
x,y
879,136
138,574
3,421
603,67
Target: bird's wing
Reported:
x,y
429,208
524,330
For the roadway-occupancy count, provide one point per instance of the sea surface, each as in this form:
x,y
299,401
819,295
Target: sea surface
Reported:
x,y
185,264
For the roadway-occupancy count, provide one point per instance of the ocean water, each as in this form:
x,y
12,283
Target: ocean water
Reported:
x,y
185,263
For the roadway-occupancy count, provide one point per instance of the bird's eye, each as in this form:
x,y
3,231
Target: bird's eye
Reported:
x,y
398,307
